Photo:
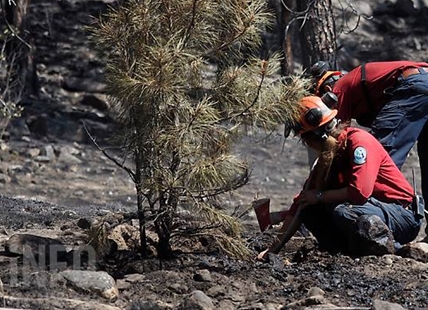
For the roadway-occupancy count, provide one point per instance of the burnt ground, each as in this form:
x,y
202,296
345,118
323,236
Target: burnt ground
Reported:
x,y
46,194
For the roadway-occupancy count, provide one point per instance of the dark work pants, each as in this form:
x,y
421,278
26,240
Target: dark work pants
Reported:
x,y
403,121
333,226
401,222
319,221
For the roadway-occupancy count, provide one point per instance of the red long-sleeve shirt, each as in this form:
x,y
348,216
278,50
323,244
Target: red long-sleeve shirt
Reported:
x,y
352,100
367,170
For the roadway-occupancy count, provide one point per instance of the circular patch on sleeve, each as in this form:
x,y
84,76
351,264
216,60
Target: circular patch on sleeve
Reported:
x,y
360,155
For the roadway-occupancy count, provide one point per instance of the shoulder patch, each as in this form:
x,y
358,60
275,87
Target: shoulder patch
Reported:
x,y
360,155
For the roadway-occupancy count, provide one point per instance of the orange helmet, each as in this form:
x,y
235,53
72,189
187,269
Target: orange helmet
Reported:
x,y
314,114
327,75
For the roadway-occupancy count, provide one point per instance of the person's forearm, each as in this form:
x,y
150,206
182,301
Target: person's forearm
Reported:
x,y
287,234
334,196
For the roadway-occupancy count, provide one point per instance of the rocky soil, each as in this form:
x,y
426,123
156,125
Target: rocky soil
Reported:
x,y
54,182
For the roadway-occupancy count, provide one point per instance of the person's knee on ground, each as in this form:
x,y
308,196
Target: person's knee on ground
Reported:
x,y
369,235
366,234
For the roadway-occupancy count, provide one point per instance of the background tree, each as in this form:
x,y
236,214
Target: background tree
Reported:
x,y
286,33
305,32
309,31
180,121
317,32
18,76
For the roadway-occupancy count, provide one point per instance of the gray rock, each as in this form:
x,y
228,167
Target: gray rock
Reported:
x,y
68,154
99,282
216,291
43,251
203,275
33,152
308,302
227,305
150,305
197,301
48,151
4,167
315,291
178,288
56,303
123,285
4,178
418,251
42,159
134,277
68,158
384,305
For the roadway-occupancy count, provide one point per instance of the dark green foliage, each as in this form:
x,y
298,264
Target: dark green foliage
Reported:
x,y
182,115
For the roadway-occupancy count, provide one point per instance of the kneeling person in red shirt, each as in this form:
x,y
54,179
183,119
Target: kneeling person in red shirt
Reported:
x,y
355,200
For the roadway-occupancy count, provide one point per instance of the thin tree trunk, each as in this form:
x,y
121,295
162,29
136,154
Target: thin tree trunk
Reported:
x,y
287,30
20,51
140,199
318,34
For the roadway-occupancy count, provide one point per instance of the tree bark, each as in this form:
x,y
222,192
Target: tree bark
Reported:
x,y
20,51
141,215
287,35
318,34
